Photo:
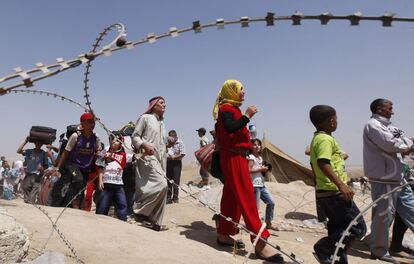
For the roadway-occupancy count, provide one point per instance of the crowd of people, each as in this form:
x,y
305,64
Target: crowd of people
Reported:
x,y
140,173
385,148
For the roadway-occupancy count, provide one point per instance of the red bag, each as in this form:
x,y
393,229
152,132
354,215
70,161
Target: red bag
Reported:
x,y
44,192
204,156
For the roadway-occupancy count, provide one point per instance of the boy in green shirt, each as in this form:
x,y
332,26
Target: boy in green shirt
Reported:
x,y
332,192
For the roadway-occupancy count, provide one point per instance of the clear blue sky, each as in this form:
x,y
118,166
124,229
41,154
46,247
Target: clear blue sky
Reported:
x,y
285,69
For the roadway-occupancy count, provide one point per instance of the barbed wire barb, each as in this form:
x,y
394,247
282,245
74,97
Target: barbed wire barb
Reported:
x,y
120,42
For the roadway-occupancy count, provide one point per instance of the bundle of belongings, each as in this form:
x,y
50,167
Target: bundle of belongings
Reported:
x,y
45,135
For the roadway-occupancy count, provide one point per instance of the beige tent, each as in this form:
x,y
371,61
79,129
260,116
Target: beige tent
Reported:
x,y
285,169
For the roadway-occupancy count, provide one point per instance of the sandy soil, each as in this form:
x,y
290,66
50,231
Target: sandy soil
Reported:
x,y
191,237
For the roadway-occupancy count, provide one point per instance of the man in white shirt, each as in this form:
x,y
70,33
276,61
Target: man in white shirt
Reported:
x,y
175,154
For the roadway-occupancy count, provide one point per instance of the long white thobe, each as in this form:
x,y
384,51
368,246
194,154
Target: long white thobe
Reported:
x,y
151,184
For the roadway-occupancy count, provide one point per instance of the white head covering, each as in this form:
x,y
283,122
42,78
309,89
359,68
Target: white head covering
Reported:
x,y
18,164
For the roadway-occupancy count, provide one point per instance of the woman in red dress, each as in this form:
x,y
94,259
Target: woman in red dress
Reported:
x,y
238,195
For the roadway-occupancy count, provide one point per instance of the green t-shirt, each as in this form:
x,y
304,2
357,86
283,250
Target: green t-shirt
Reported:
x,y
324,146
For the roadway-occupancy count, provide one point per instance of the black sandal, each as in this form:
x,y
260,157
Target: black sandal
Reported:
x,y
159,228
276,258
320,260
238,244
216,218
154,227
140,218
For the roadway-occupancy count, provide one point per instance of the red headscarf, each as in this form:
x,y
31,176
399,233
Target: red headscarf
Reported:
x,y
152,102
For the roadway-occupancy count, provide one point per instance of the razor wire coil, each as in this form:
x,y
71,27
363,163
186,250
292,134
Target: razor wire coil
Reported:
x,y
47,70
121,35
55,227
346,232
62,65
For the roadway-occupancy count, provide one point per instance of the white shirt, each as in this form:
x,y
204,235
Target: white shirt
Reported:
x,y
204,141
256,177
114,169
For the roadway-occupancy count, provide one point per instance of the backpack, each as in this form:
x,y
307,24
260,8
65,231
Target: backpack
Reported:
x,y
70,130
127,129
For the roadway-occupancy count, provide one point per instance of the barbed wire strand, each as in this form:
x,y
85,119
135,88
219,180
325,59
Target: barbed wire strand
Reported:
x,y
69,100
63,98
244,21
121,34
54,227
238,225
197,27
346,233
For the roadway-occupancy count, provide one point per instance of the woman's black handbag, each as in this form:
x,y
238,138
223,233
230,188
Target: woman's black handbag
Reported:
x,y
215,170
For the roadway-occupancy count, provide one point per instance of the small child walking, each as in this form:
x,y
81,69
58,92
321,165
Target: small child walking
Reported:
x,y
111,164
257,169
5,174
332,192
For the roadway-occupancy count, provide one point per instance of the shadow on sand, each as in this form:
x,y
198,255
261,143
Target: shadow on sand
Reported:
x,y
203,233
299,216
361,249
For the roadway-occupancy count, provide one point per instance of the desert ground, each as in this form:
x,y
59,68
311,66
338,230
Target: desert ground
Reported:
x,y
191,237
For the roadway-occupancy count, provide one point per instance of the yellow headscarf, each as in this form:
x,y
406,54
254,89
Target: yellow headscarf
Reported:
x,y
229,94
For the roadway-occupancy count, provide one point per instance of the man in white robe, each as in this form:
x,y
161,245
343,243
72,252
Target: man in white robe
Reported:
x,y
151,184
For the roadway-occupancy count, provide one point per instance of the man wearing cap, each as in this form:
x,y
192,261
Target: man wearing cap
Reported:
x,y
203,141
149,140
78,158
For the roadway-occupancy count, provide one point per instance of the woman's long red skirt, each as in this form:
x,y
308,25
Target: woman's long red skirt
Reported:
x,y
238,196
